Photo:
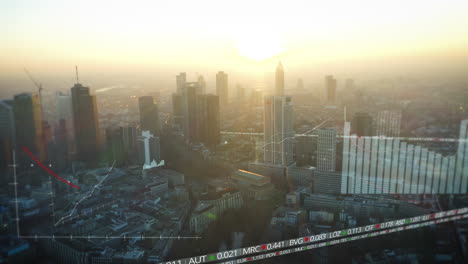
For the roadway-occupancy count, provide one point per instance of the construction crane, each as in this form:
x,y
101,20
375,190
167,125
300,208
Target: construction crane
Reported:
x,y
38,85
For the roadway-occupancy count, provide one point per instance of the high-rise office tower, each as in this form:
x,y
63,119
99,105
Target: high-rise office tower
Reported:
x,y
189,107
64,108
279,130
86,122
330,89
177,110
279,80
202,83
58,150
208,119
306,148
149,114
7,135
28,122
121,145
180,81
129,136
362,124
222,88
326,149
115,150
388,123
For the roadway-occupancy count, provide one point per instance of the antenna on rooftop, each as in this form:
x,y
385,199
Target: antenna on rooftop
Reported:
x,y
76,70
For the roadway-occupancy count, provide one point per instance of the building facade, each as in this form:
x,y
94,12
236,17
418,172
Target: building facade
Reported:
x,y
278,130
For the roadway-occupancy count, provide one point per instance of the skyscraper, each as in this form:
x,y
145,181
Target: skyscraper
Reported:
x,y
149,114
326,149
208,119
177,109
279,80
129,137
7,134
85,115
115,150
305,150
362,124
64,106
222,88
28,122
279,130
180,81
202,83
189,106
58,149
330,89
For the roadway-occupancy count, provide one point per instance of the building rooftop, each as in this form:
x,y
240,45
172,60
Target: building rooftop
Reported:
x,y
250,177
202,207
216,195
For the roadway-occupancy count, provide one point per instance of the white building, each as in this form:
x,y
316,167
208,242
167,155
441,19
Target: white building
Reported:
x,y
149,150
279,130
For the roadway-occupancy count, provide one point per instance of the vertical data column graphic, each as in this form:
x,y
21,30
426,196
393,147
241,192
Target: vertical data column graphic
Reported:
x,y
401,168
395,163
380,166
422,171
388,165
416,169
443,175
352,165
409,169
373,166
464,181
383,165
460,157
451,175
345,170
367,156
436,175
429,172
360,181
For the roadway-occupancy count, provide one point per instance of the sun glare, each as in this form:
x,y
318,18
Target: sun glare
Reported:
x,y
259,46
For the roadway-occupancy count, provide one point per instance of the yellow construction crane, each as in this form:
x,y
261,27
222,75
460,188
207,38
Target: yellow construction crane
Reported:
x,y
38,85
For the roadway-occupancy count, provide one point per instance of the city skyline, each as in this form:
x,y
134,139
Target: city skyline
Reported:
x,y
233,132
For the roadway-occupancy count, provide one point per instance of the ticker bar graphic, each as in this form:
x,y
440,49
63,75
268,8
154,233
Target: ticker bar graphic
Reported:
x,y
284,247
47,169
342,240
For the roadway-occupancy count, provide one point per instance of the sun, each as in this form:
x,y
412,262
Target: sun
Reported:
x,y
259,46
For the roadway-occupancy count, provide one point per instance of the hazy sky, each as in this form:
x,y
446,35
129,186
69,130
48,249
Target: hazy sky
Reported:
x,y
54,35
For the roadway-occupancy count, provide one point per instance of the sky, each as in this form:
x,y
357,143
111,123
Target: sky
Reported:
x,y
51,36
